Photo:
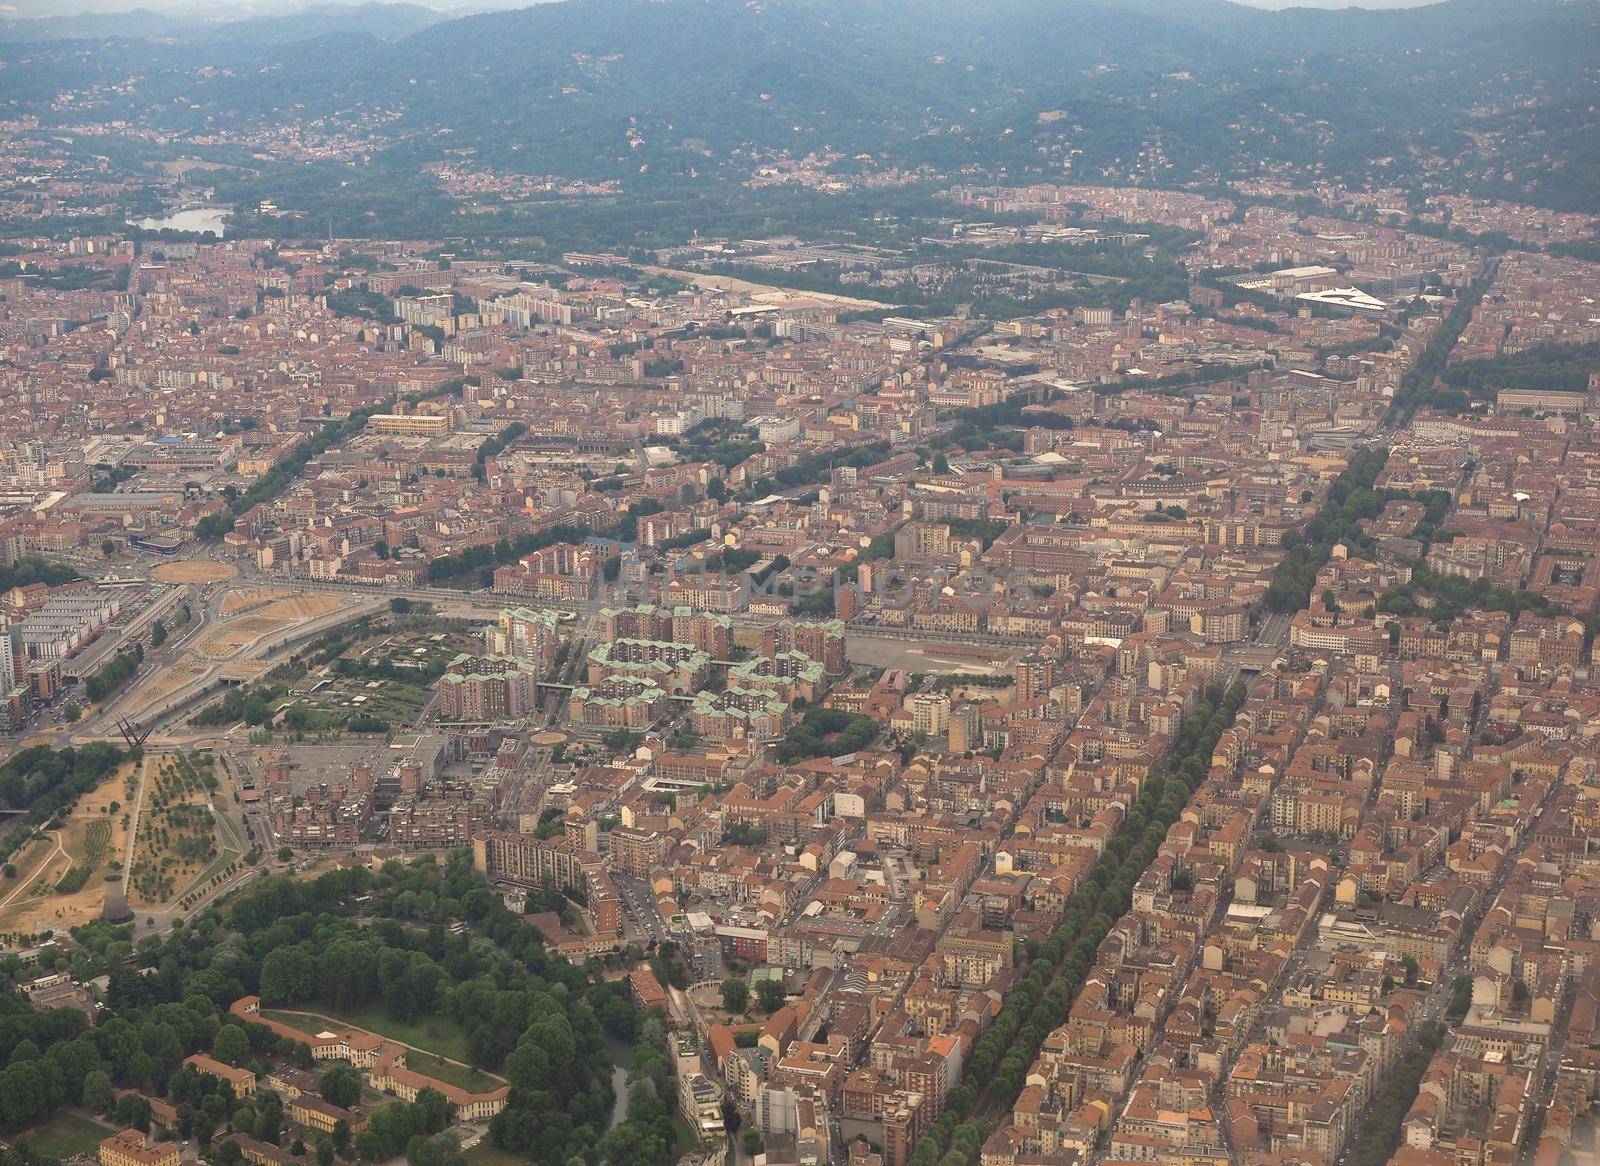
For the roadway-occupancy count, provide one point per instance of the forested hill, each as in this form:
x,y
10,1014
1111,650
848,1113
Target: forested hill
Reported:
x,y
1128,90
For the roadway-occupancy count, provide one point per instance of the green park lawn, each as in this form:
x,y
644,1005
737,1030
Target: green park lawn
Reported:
x,y
64,1135
437,1034
486,1153
432,1065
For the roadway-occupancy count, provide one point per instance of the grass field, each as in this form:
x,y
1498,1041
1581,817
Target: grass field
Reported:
x,y
311,1024
450,1073
486,1153
437,1034
687,1140
64,1135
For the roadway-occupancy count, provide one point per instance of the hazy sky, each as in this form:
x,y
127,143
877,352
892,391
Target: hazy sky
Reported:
x,y
1336,3
234,9
14,8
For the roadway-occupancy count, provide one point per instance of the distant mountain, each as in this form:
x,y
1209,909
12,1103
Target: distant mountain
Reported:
x,y
1147,90
386,21
140,22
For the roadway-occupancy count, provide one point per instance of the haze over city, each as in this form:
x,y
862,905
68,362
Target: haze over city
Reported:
x,y
799,583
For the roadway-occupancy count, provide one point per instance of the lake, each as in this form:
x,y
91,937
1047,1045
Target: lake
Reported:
x,y
202,220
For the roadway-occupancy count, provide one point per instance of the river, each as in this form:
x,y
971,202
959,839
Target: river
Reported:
x,y
200,220
621,1054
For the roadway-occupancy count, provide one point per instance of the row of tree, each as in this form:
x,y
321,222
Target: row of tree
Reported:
x,y
115,673
487,556
1350,499
1379,1131
995,1074
1422,384
283,475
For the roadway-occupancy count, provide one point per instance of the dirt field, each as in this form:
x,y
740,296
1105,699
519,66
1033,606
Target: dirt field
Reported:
x,y
934,658
238,600
196,572
766,292
30,901
228,639
249,615
168,679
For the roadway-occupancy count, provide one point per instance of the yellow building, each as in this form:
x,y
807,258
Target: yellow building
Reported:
x,y
241,1081
391,1075
317,1114
131,1148
416,424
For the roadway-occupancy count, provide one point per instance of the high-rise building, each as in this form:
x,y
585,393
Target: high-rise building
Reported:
x,y
525,634
488,688
966,728
930,712
1035,676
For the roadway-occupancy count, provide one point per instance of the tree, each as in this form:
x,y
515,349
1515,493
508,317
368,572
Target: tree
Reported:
x,y
370,1147
735,994
230,1044
133,1110
422,1151
269,1117
621,740
108,548
97,1092
340,1085
288,976
433,1108
771,994
203,1126
158,635
72,712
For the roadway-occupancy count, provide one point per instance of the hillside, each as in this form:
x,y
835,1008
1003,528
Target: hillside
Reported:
x,y
1132,90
